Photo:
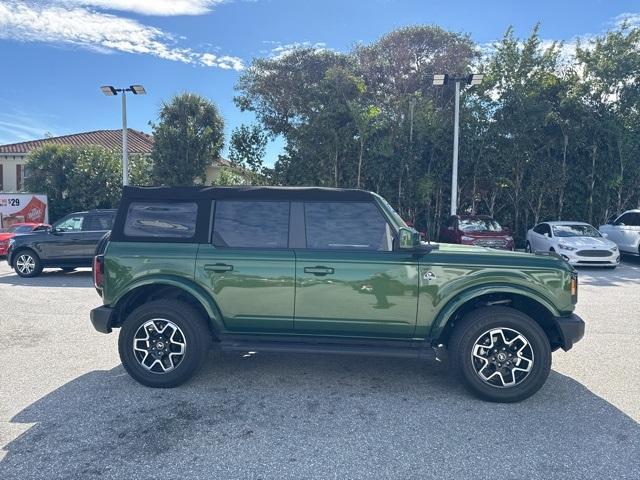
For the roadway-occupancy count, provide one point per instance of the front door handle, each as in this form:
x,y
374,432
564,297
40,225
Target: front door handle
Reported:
x,y
218,267
320,271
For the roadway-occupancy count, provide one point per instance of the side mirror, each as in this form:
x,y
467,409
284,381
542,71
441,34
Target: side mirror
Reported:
x,y
55,231
408,239
605,235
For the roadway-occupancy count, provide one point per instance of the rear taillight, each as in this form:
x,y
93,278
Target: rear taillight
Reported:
x,y
98,270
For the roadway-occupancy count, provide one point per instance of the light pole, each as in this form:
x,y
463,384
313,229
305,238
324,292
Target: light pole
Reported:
x,y
443,79
110,92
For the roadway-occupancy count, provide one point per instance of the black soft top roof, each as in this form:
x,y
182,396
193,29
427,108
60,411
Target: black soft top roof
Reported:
x,y
263,193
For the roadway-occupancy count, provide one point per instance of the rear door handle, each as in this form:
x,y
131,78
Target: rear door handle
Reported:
x,y
319,270
218,267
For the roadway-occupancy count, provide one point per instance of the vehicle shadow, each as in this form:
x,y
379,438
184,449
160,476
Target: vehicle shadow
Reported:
x,y
313,416
627,273
51,278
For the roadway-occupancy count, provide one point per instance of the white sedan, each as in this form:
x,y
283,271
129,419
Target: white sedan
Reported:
x,y
578,243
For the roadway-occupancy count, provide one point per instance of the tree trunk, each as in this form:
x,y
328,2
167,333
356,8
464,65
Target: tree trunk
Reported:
x,y
592,182
563,181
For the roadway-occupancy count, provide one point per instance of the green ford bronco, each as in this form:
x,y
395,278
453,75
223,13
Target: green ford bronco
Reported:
x,y
327,271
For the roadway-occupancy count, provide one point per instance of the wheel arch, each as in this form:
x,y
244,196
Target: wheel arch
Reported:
x,y
168,288
540,309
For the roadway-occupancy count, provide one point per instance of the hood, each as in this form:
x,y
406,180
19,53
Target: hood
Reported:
x,y
30,236
587,242
472,254
6,236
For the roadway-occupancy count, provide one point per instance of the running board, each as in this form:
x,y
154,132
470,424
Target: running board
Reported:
x,y
410,350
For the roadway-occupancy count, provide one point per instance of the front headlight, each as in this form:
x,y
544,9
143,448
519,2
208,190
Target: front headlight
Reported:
x,y
569,248
614,248
464,238
509,238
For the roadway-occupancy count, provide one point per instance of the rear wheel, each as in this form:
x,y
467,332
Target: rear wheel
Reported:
x,y
163,343
27,264
500,354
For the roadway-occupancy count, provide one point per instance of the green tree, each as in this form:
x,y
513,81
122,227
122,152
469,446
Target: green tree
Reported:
x,y
188,137
50,168
247,147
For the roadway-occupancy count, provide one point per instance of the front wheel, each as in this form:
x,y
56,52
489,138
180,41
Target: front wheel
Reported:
x,y
163,343
27,264
500,354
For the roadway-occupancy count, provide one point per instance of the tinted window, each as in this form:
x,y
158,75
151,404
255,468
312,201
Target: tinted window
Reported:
x,y
72,223
99,221
346,225
630,219
251,224
170,220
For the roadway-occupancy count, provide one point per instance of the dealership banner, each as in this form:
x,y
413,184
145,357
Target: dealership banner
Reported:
x,y
23,207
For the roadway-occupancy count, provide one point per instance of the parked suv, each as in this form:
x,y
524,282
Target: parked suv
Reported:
x,y
625,232
68,244
481,230
326,271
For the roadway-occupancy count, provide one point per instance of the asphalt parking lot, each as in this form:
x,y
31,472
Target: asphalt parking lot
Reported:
x,y
68,409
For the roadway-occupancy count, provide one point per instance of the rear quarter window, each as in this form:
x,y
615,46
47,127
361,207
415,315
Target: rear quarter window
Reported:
x,y
161,220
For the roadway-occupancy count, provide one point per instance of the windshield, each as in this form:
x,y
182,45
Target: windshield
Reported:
x,y
479,225
397,220
575,231
17,229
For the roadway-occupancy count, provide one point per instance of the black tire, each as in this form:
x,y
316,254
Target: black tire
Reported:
x,y
31,258
527,247
477,323
192,327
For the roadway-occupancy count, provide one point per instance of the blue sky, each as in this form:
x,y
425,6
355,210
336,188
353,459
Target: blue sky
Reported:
x,y
55,54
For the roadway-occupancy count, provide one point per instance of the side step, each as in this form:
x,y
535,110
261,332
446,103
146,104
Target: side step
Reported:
x,y
418,350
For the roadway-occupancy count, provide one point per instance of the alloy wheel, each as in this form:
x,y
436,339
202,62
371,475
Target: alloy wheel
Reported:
x,y
25,264
159,345
502,357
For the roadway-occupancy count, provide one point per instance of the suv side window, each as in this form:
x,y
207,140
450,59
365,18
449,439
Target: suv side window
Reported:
x,y
623,219
346,225
99,221
161,219
251,224
72,223
539,229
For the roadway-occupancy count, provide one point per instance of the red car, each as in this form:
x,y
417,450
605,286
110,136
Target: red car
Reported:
x,y
480,230
7,233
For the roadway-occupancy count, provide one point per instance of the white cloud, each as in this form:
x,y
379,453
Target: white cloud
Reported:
x,y
280,50
150,7
101,32
631,19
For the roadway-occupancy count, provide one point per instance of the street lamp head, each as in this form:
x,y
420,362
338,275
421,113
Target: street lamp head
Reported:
x,y
440,79
108,90
475,79
137,89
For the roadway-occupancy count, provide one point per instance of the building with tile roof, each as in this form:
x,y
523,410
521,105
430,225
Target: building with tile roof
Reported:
x,y
13,156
